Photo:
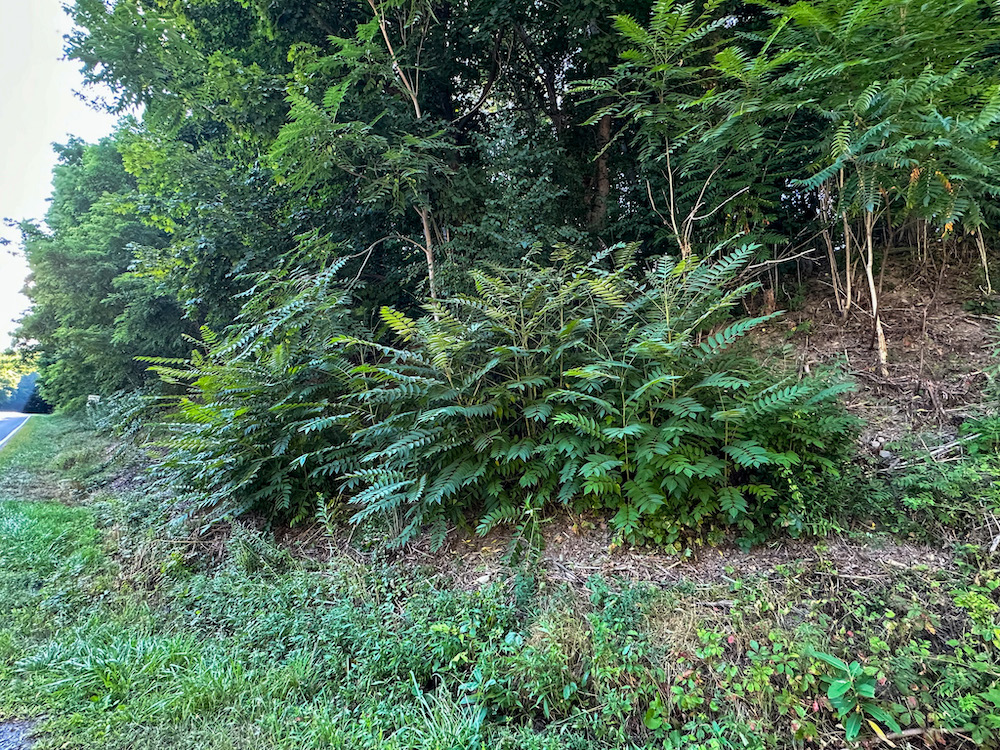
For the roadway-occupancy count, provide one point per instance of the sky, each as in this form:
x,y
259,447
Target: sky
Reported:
x,y
38,107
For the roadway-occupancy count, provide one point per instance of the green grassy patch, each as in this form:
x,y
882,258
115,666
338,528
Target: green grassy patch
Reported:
x,y
266,651
50,457
32,445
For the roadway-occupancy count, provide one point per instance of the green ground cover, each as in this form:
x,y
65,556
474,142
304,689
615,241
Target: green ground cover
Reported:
x,y
116,637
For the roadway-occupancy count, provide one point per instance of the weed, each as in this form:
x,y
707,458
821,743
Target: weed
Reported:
x,y
507,401
851,692
268,652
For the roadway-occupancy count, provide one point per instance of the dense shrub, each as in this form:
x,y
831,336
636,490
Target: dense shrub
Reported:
x,y
235,441
591,384
609,389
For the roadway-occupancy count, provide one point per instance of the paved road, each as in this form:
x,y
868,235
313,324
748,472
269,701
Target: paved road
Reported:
x,y
10,421
14,735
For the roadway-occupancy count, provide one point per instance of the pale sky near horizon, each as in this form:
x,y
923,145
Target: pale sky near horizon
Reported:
x,y
38,107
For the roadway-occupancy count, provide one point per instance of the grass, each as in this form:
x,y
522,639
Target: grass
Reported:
x,y
119,640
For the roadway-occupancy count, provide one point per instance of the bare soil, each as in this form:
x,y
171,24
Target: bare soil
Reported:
x,y
939,352
576,547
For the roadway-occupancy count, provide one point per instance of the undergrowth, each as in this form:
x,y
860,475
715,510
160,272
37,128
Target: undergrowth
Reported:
x,y
609,388
594,383
123,639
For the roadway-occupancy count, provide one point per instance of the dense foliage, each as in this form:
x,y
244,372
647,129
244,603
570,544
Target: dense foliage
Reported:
x,y
592,387
423,138
307,176
591,384
237,438
92,311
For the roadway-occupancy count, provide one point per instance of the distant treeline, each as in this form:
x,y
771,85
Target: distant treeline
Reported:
x,y
19,386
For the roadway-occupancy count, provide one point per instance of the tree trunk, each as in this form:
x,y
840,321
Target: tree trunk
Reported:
x,y
425,221
879,334
848,271
602,180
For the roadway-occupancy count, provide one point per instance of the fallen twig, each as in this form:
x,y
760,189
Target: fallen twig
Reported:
x,y
928,732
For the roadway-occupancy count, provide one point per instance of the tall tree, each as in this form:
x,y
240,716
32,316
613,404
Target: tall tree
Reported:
x,y
89,318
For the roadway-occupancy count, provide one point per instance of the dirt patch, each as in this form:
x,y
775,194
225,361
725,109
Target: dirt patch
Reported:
x,y
14,735
939,352
578,547
25,484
